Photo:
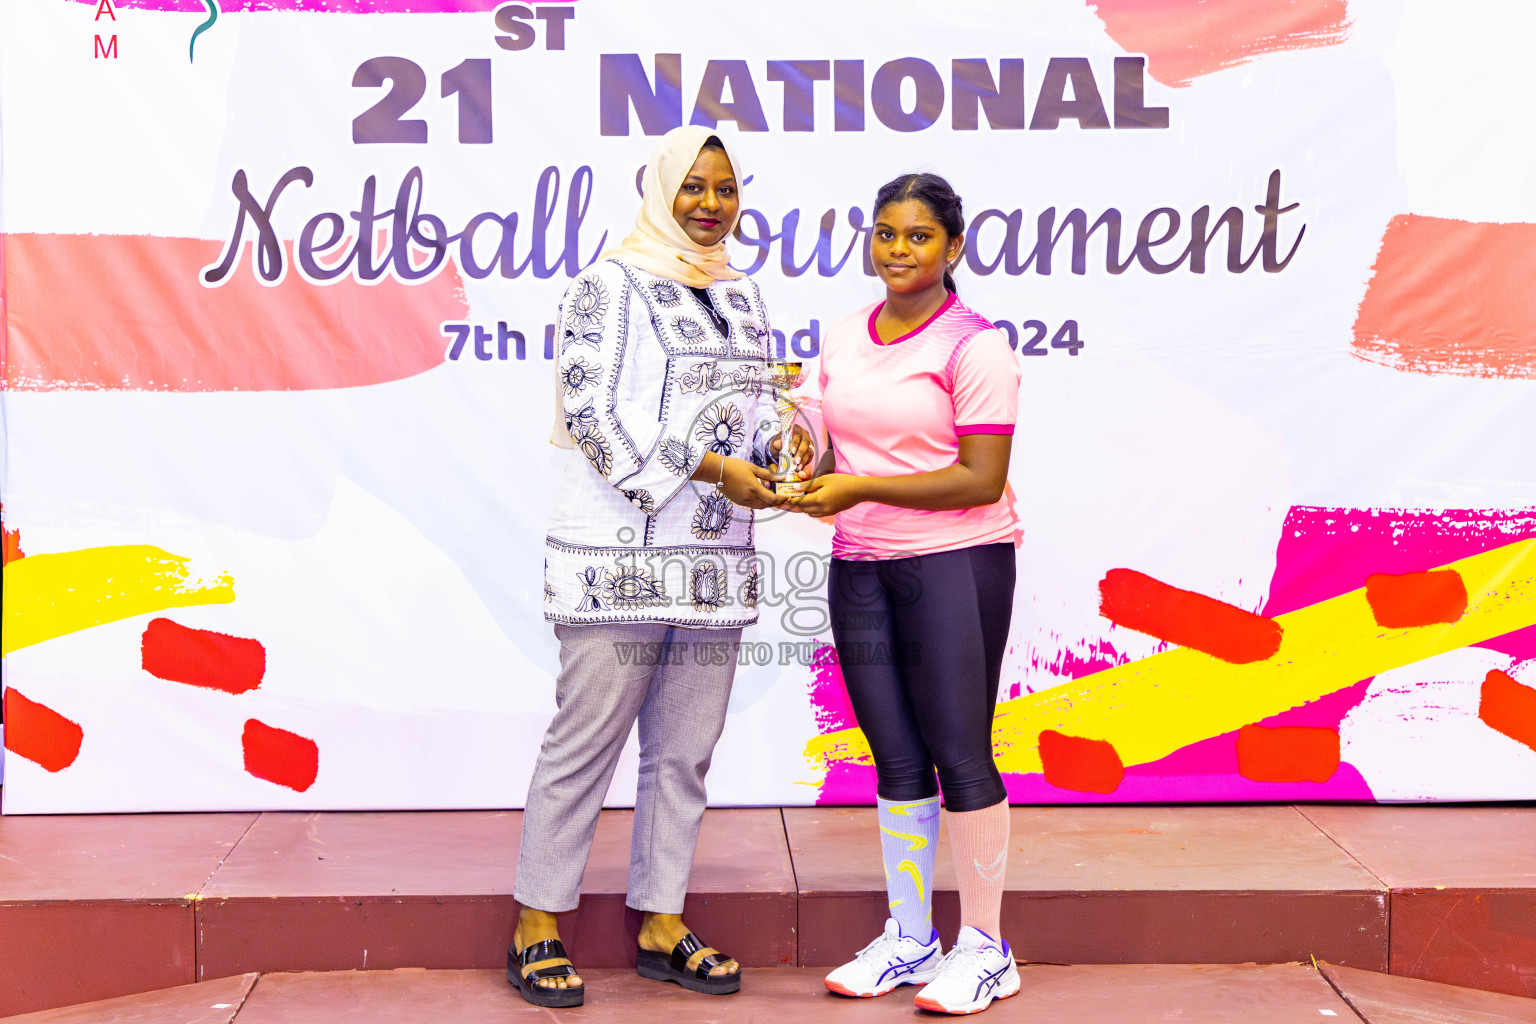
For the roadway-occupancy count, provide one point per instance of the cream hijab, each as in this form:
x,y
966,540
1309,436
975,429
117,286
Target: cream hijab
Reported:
x,y
658,245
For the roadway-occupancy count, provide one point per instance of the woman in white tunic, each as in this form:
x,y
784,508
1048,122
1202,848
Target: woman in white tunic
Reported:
x,y
650,572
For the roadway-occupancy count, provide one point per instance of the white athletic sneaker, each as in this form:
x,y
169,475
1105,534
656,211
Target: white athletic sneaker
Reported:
x,y
891,960
973,974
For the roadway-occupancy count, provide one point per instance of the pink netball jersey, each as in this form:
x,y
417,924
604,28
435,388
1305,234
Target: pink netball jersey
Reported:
x,y
901,408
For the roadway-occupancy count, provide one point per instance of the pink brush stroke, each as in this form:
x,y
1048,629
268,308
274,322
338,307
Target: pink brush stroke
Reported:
x,y
1186,39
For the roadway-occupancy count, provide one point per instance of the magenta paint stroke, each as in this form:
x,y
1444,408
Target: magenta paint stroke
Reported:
x,y
845,783
1322,553
317,6
1075,659
1207,772
1346,785
1325,552
829,697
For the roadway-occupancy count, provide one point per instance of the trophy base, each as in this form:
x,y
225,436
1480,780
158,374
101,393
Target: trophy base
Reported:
x,y
789,488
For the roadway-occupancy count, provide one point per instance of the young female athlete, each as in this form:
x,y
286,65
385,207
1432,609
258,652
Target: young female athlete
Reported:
x,y
920,395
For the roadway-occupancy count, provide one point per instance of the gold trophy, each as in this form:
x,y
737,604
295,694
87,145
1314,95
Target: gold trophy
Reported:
x,y
783,376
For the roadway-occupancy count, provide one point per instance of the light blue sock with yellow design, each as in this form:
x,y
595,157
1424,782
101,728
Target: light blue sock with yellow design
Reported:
x,y
909,837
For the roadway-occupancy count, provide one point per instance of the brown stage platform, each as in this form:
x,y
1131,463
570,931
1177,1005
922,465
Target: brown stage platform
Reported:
x,y
98,906
1086,994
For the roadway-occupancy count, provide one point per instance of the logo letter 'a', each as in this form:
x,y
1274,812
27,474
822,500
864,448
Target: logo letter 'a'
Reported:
x,y
105,7
108,49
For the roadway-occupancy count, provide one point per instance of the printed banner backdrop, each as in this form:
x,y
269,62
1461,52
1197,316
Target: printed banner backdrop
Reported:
x,y
279,278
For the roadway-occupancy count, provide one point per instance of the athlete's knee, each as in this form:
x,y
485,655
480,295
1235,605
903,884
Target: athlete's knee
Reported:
x,y
971,783
906,782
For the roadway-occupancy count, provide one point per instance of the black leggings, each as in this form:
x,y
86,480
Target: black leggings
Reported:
x,y
921,644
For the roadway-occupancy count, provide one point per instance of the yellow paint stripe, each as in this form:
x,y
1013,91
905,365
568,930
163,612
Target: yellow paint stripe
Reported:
x,y
910,869
1149,708
914,843
51,595
905,810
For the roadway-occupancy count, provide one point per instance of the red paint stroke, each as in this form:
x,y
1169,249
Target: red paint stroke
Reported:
x,y
201,657
39,733
12,550
1287,753
1416,598
1509,707
1451,297
1185,39
1137,601
128,313
280,756
1082,765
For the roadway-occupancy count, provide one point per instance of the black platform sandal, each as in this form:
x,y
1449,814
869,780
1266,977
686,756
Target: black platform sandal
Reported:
x,y
540,960
661,967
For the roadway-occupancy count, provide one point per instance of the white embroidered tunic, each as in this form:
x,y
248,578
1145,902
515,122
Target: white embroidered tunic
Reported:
x,y
649,384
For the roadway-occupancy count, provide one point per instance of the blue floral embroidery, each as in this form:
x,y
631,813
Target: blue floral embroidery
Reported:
x,y
592,580
592,444
677,455
630,587
589,304
688,329
749,587
748,379
666,293
642,500
712,516
579,419
702,378
721,428
578,374
708,585
737,301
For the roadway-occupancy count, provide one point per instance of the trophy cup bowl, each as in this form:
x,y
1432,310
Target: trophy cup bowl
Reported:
x,y
784,375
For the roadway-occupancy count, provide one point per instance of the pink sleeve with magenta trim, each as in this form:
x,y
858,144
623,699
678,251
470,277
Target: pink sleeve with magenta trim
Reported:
x,y
986,386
